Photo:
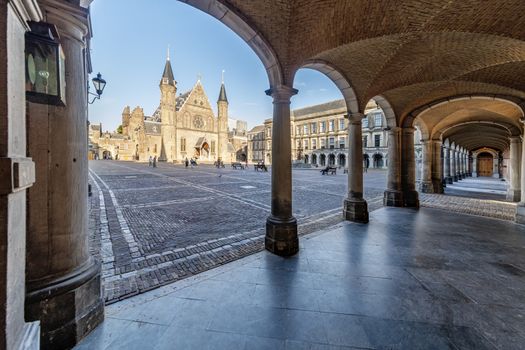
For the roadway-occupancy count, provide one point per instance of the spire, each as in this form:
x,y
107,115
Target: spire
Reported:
x,y
222,93
167,75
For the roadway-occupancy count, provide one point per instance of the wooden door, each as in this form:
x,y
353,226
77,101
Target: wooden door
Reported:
x,y
485,166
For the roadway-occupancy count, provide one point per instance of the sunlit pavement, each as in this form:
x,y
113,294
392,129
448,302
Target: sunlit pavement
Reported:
x,y
158,225
426,279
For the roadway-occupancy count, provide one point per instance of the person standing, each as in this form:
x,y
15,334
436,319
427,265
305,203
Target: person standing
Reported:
x,y
155,161
186,162
150,161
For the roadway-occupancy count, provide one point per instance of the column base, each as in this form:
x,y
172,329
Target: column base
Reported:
x,y
449,180
411,199
438,186
474,174
355,210
281,236
426,187
68,307
455,178
393,198
520,214
513,195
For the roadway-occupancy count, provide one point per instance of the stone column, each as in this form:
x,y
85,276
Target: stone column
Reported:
x,y
408,169
474,166
520,213
63,280
453,165
426,172
447,165
355,207
459,169
281,226
393,196
17,173
437,167
465,171
514,189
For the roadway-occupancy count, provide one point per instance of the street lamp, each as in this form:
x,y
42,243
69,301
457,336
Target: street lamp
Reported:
x,y
99,85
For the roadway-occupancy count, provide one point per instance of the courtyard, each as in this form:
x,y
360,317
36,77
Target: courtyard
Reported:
x,y
152,226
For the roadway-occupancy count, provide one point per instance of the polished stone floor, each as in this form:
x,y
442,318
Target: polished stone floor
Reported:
x,y
479,187
426,279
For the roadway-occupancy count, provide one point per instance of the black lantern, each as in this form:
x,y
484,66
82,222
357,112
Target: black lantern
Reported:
x,y
99,85
45,65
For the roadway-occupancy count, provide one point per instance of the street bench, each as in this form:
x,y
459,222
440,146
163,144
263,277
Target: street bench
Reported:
x,y
260,166
237,165
329,171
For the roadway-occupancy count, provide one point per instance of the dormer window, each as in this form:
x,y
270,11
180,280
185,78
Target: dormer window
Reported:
x,y
165,81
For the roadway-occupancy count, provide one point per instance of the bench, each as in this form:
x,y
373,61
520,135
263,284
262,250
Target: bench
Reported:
x,y
329,171
237,165
260,166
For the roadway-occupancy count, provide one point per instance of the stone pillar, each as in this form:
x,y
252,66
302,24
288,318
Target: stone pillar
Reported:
x,y
393,196
408,169
465,171
426,173
454,165
17,173
281,226
495,167
459,169
475,166
447,165
520,212
355,207
437,167
63,280
514,189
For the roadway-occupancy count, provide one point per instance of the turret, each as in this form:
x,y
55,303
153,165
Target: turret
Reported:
x,y
126,115
168,91
222,119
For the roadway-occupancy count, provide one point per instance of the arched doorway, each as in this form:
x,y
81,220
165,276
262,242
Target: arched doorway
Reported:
x,y
323,160
378,160
342,160
314,159
485,164
331,159
366,161
106,155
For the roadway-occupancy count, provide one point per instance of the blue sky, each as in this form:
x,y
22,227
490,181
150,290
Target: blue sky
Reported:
x,y
129,49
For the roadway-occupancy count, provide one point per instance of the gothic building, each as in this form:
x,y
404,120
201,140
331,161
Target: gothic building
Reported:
x,y
182,126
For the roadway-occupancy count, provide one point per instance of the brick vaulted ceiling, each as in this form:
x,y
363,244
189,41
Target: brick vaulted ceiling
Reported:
x,y
410,52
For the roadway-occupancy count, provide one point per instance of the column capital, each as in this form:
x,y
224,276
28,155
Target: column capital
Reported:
x,y
515,139
355,117
72,20
281,93
393,130
408,130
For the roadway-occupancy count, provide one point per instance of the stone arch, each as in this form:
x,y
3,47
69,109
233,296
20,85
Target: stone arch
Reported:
x,y
387,109
340,80
248,32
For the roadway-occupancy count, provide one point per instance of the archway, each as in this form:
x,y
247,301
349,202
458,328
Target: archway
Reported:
x,y
485,163
331,159
342,160
314,159
377,160
106,155
323,159
366,161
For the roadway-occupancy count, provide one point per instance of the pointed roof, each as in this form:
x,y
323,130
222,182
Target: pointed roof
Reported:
x,y
168,73
222,94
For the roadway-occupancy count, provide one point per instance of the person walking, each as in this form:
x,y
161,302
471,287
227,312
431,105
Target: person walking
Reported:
x,y
155,161
150,161
186,162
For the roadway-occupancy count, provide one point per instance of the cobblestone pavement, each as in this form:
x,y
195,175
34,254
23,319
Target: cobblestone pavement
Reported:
x,y
152,226
480,196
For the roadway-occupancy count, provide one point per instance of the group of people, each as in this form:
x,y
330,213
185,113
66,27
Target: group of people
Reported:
x,y
191,162
153,161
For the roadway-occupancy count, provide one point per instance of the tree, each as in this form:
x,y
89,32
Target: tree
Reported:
x,y
119,129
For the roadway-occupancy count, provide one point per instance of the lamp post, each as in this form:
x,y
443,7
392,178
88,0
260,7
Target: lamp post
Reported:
x,y
99,85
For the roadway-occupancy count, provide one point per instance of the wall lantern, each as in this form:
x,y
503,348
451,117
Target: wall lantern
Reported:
x,y
45,65
99,85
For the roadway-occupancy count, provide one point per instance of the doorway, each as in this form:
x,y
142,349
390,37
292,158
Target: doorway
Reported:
x,y
485,163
